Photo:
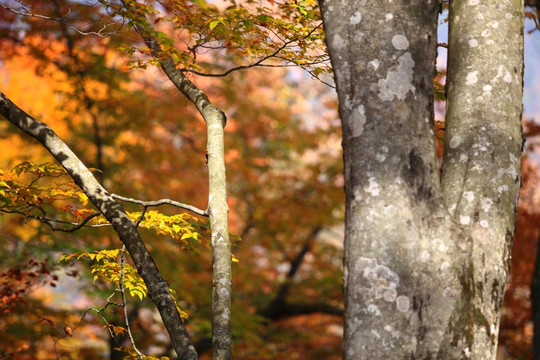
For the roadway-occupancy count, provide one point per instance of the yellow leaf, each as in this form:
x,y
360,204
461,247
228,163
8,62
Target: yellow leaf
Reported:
x,y
138,293
118,330
184,315
83,198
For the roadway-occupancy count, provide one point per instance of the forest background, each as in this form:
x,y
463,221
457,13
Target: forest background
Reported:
x,y
285,188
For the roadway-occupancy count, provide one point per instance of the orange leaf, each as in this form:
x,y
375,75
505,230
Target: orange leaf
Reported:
x,y
68,331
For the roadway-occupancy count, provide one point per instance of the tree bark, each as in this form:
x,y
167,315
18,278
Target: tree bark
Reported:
x,y
482,161
158,288
425,264
218,208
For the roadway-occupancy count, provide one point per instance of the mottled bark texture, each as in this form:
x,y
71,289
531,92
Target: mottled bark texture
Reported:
x,y
158,288
426,260
217,198
481,168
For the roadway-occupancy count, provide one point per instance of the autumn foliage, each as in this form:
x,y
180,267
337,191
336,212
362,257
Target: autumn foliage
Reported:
x,y
145,142
61,264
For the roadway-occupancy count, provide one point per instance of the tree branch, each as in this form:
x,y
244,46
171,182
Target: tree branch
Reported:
x,y
279,307
259,62
29,13
295,309
162,202
49,222
158,289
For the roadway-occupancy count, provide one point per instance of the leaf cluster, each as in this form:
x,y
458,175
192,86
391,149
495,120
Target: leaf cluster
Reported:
x,y
26,194
28,197
107,266
285,34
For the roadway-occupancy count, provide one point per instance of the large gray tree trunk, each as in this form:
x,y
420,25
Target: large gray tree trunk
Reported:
x,y
426,260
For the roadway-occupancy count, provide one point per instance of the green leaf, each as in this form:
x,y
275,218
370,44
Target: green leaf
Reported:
x,y
317,71
248,24
214,23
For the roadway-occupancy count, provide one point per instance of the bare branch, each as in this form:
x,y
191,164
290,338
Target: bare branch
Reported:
x,y
241,67
141,217
29,13
50,222
101,32
162,202
279,303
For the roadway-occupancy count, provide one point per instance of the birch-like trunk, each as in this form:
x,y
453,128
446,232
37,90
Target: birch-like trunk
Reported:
x,y
425,264
217,200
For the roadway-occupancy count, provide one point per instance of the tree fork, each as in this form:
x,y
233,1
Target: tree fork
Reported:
x,y
425,264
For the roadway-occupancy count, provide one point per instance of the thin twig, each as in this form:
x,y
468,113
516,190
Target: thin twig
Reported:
x,y
258,62
99,312
141,217
101,33
162,202
122,264
49,222
29,14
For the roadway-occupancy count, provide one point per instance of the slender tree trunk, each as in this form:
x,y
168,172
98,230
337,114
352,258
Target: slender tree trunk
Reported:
x,y
425,264
221,246
218,208
98,142
78,70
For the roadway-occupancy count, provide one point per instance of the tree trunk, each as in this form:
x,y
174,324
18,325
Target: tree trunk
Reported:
x,y
218,208
481,167
420,281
